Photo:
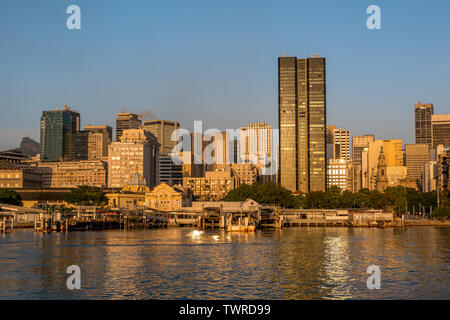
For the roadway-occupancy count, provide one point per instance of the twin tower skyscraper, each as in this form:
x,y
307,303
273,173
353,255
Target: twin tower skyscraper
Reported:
x,y
302,123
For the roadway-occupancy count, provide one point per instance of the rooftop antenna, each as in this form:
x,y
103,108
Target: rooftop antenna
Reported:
x,y
122,110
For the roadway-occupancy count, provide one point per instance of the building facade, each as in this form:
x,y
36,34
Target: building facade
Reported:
x,y
18,178
393,154
247,173
339,174
213,187
126,121
302,123
416,157
255,143
81,145
341,142
163,130
99,139
359,144
166,198
422,116
443,174
440,124
168,171
58,130
430,173
71,174
138,151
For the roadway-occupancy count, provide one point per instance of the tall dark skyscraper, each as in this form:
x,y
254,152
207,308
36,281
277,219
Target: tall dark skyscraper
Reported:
x,y
58,132
302,123
440,124
422,115
126,121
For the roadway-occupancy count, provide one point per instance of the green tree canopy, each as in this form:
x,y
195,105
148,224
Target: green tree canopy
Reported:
x,y
87,196
442,212
400,198
9,196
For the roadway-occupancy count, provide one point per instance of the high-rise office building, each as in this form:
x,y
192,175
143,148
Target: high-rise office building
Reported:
x,y
81,145
440,124
58,130
416,157
163,130
125,121
341,143
255,143
329,141
221,150
422,115
192,157
302,123
137,152
443,173
99,139
167,171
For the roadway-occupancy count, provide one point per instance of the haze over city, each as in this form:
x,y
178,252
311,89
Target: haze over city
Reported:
x,y
217,62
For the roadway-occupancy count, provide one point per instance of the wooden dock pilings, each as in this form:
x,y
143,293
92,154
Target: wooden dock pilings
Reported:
x,y
6,223
104,221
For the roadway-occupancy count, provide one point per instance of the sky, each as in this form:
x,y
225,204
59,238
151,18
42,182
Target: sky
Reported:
x,y
216,61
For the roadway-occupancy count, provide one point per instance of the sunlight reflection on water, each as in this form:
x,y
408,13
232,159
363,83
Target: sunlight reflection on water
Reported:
x,y
295,263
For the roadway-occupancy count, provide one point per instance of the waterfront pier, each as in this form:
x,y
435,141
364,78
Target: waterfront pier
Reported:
x,y
339,218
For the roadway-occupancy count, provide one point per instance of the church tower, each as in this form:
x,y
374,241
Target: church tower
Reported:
x,y
382,180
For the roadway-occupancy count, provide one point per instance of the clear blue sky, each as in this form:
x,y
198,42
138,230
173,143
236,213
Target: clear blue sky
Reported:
x,y
217,61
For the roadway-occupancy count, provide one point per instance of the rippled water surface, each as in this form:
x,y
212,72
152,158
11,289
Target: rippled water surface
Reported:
x,y
295,263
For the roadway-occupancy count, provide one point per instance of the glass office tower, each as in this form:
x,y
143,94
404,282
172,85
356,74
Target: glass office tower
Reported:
x,y
422,115
58,131
302,123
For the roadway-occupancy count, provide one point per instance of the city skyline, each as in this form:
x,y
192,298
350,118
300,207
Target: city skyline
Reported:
x,y
88,71
205,151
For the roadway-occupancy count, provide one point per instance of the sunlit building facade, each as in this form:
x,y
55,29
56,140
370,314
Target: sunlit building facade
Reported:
x,y
302,123
416,157
359,145
99,139
440,124
339,174
137,152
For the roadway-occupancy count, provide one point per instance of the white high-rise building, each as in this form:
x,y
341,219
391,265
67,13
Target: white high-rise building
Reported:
x,y
255,142
341,142
137,152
